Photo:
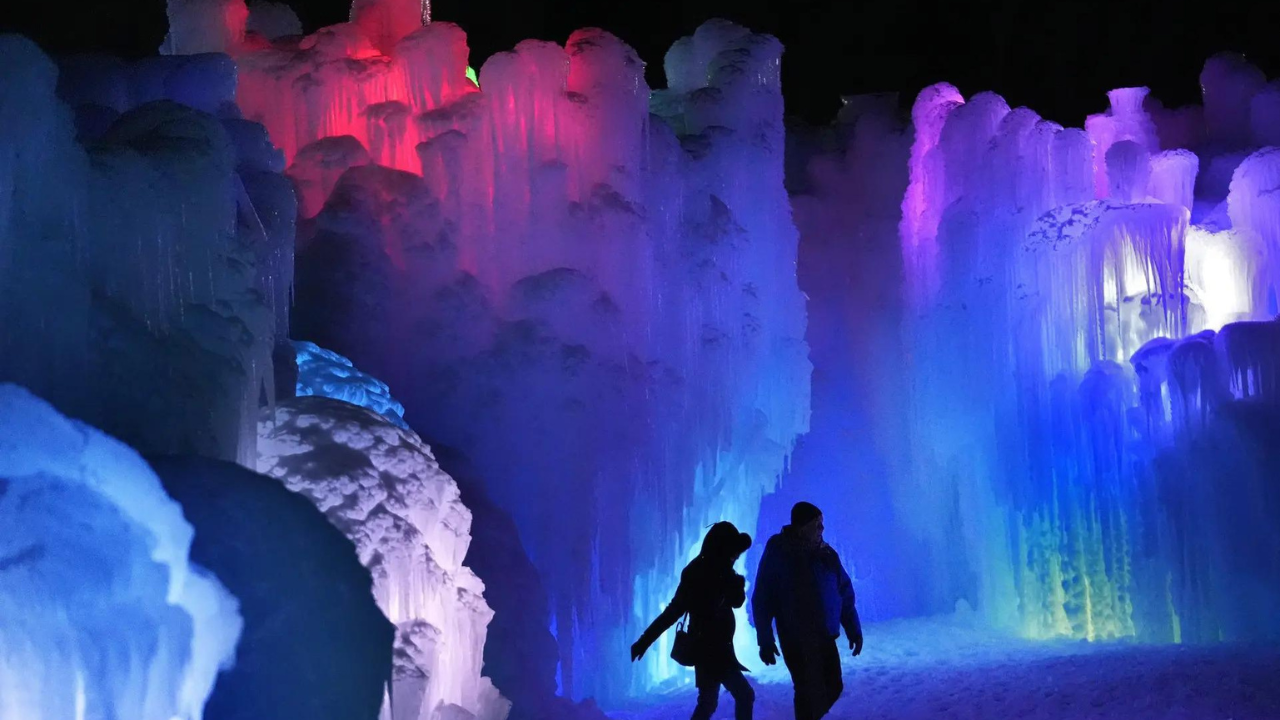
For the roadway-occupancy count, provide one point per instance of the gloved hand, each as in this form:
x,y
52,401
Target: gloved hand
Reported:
x,y
769,655
855,644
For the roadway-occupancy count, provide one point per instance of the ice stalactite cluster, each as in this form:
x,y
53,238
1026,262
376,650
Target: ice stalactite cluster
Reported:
x,y
542,266
380,485
146,247
1086,304
104,615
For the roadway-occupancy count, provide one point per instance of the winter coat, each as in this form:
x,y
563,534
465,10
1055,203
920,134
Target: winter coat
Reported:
x,y
708,592
804,590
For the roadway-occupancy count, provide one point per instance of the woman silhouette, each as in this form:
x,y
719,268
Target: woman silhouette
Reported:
x,y
709,591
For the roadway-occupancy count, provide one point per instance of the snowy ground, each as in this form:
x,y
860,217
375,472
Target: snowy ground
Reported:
x,y
945,668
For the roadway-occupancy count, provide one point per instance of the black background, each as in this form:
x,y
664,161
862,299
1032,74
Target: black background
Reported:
x,y
1059,59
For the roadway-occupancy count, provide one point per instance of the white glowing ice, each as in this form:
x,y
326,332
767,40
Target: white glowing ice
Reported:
x,y
380,485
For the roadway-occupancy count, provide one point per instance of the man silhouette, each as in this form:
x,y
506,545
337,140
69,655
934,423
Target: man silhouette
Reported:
x,y
802,586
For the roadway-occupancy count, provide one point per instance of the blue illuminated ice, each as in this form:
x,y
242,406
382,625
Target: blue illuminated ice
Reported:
x,y
146,274
103,614
1084,361
565,289
328,374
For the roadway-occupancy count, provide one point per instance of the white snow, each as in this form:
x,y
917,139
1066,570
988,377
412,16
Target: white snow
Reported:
x,y
950,668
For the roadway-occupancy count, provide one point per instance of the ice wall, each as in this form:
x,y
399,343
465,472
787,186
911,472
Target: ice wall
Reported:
x,y
145,248
380,485
103,614
543,267
1069,400
851,270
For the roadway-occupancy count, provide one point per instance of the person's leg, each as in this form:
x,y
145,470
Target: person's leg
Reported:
x,y
744,696
708,683
832,677
800,665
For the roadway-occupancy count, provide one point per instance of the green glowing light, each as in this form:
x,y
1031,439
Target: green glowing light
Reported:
x,y
471,75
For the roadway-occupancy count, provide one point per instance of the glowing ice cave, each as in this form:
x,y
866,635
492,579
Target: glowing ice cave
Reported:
x,y
325,341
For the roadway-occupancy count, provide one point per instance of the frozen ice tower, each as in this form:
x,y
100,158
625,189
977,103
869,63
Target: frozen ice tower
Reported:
x,y
205,26
103,614
154,281
380,485
1087,311
1083,349
387,22
546,267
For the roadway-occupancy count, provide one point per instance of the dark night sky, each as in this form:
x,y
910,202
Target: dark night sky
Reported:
x,y
1059,58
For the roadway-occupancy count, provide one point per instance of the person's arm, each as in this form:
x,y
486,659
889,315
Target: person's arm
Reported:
x,y
849,610
678,606
764,597
737,593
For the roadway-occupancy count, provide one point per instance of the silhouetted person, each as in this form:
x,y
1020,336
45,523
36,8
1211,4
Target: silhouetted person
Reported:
x,y
802,586
709,590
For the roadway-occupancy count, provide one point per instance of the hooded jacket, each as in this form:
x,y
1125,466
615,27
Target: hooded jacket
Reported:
x,y
709,591
805,590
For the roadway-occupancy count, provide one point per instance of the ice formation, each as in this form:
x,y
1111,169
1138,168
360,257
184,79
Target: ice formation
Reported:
x,y
1087,347
328,374
379,484
520,653
104,616
851,269
545,267
1048,402
154,281
1032,343
315,644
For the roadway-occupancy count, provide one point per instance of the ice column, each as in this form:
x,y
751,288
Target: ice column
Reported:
x,y
922,208
1125,120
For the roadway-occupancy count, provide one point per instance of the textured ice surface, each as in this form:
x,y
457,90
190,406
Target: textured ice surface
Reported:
x,y
380,485
542,267
146,275
1069,402
205,26
328,374
104,616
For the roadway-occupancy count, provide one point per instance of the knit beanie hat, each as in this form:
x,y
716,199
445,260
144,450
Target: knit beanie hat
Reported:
x,y
803,513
